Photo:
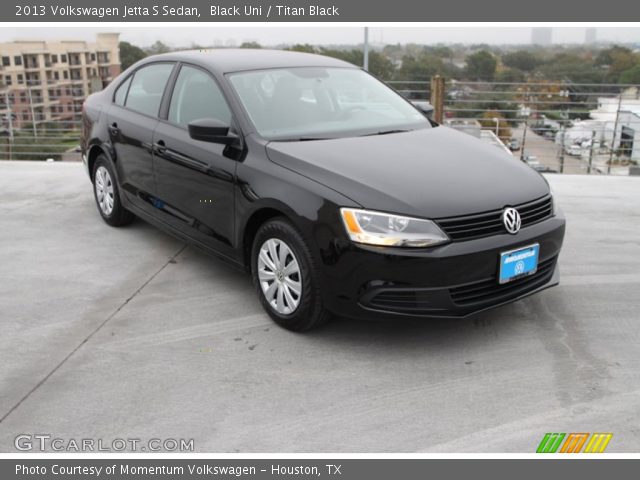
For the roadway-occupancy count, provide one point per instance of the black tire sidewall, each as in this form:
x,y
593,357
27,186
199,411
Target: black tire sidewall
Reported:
x,y
118,215
310,311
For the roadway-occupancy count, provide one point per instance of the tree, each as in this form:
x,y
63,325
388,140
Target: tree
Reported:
x,y
481,66
572,67
522,60
130,54
510,75
158,47
379,65
631,75
250,45
495,121
305,48
421,68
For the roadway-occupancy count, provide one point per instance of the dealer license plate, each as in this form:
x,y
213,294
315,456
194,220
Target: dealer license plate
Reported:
x,y
518,263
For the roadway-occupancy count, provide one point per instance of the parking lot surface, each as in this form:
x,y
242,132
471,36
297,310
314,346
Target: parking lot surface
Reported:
x,y
126,333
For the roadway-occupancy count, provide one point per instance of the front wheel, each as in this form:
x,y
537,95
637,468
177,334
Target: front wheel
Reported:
x,y
285,277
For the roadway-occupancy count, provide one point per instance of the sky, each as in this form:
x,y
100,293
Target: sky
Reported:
x,y
322,35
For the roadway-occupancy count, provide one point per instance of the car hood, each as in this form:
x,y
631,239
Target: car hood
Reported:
x,y
434,173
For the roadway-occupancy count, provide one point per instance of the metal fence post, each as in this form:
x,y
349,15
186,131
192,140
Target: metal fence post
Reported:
x,y
437,97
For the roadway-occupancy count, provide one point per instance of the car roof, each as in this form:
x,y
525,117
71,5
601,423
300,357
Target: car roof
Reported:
x,y
227,60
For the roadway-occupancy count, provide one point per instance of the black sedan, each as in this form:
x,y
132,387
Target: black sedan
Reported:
x,y
337,194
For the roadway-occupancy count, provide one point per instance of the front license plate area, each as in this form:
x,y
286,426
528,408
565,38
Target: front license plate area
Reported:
x,y
518,263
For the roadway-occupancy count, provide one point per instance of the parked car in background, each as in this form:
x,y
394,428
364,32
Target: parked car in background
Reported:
x,y
514,145
331,189
539,167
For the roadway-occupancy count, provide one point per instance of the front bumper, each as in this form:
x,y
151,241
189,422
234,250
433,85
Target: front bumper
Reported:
x,y
453,280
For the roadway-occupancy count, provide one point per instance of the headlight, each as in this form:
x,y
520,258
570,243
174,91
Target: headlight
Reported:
x,y
375,228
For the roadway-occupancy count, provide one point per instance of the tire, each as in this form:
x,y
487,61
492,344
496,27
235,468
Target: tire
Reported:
x,y
295,312
107,194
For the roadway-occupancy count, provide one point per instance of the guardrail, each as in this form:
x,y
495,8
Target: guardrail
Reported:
x,y
563,127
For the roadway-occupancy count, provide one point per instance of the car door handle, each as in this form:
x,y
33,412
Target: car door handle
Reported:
x,y
113,129
160,147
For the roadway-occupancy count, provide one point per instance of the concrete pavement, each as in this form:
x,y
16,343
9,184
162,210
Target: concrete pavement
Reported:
x,y
125,333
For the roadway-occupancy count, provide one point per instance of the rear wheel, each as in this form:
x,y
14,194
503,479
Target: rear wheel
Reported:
x,y
107,195
285,277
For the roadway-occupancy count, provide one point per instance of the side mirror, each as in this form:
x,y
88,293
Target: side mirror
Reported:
x,y
211,130
425,108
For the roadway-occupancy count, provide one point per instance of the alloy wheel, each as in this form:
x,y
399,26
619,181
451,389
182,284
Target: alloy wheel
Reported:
x,y
279,276
104,190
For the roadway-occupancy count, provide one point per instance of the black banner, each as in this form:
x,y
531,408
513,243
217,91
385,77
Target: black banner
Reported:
x,y
343,469
317,11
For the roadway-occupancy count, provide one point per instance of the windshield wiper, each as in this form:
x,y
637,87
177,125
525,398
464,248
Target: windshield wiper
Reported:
x,y
385,132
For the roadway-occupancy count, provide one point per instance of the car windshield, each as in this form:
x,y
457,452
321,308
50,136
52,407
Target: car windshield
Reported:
x,y
319,103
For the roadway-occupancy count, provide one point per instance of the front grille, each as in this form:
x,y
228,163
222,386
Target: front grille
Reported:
x,y
402,301
490,291
490,223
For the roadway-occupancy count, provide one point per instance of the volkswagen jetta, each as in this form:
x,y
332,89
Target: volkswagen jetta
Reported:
x,y
336,193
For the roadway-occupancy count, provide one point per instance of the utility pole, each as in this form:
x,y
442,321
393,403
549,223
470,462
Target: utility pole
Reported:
x,y
366,49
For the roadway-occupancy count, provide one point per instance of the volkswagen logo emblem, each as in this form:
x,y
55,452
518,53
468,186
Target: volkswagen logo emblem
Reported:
x,y
511,220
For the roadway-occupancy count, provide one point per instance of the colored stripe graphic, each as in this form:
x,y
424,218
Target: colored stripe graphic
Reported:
x,y
598,442
550,443
574,443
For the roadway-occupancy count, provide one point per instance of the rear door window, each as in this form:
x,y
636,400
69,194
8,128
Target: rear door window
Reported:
x,y
147,87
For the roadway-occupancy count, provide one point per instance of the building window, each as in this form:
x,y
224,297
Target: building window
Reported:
x,y
17,60
66,75
7,79
93,57
6,61
63,58
56,75
54,58
20,78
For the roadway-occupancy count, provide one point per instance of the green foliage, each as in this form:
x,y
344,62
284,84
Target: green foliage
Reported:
x,y
522,60
631,75
510,75
130,54
425,65
250,45
379,65
481,66
304,48
572,67
158,47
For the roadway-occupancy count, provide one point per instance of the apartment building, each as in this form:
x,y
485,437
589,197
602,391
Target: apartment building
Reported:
x,y
46,81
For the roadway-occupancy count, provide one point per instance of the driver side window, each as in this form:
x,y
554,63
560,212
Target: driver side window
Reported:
x,y
195,96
